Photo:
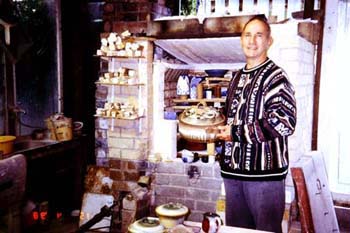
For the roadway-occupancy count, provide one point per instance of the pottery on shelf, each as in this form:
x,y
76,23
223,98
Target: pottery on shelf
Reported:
x,y
183,86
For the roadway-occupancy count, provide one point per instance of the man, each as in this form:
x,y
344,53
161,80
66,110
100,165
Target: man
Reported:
x,y
261,114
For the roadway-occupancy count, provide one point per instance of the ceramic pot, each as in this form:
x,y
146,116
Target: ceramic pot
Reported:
x,y
199,123
171,214
146,225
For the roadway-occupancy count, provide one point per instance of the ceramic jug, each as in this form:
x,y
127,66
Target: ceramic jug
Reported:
x,y
183,86
211,222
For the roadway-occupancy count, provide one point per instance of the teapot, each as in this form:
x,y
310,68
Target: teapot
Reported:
x,y
211,222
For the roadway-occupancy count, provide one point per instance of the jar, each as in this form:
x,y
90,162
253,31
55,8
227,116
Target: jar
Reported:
x,y
208,93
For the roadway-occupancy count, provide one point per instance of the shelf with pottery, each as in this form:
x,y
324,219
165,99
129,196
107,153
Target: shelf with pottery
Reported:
x,y
124,63
208,91
212,100
217,102
119,84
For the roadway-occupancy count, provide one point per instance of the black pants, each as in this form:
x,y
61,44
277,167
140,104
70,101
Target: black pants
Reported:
x,y
255,204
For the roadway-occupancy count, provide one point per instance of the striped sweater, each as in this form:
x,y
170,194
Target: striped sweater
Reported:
x,y
261,109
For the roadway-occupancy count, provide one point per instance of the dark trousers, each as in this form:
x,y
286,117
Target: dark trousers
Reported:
x,y
255,204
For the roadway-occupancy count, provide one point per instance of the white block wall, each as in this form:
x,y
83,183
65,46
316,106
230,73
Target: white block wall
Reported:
x,y
296,56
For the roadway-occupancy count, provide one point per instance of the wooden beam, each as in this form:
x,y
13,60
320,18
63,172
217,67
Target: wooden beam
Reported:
x,y
309,31
316,14
186,28
317,79
308,8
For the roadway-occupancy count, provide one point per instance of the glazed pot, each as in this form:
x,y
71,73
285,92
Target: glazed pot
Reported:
x,y
146,225
199,123
171,214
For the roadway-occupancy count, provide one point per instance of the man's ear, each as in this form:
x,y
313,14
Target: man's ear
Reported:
x,y
270,41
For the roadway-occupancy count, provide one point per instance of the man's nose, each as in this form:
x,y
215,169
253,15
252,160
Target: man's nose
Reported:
x,y
252,40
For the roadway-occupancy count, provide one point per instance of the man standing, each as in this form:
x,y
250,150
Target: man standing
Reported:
x,y
261,114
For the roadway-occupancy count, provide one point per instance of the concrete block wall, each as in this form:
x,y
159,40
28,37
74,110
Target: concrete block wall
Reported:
x,y
199,193
297,57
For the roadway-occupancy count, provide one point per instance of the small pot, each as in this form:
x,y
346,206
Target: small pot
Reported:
x,y
146,225
6,144
171,214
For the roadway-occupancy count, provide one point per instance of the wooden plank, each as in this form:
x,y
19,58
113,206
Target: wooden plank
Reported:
x,y
318,79
309,31
181,28
319,204
303,200
321,200
308,8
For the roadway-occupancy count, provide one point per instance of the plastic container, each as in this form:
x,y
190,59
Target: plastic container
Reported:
x,y
6,144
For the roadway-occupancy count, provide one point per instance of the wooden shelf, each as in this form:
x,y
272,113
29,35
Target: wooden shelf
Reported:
x,y
218,79
118,57
221,100
116,118
119,84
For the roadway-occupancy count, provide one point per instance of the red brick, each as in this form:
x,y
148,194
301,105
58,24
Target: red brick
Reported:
x,y
116,175
115,163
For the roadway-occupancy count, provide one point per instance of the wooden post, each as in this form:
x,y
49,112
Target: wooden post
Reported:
x,y
307,225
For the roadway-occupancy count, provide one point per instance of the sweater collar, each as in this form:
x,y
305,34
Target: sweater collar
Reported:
x,y
256,67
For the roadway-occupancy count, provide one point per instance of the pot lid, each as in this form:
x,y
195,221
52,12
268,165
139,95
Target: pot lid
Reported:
x,y
147,225
206,116
172,210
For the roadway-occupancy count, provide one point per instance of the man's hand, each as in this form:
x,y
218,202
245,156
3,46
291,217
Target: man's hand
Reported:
x,y
225,133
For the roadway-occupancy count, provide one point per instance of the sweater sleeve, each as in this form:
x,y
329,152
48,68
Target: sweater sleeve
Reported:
x,y
279,113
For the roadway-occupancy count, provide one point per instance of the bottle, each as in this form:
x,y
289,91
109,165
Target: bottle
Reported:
x,y
200,91
208,93
208,90
221,204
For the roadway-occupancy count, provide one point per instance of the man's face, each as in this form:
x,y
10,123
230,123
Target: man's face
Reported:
x,y
255,41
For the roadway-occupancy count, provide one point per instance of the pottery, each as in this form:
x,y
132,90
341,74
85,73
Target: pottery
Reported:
x,y
183,86
146,225
211,222
171,214
199,123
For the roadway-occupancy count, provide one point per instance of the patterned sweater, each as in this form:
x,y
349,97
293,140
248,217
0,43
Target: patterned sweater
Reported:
x,y
261,109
